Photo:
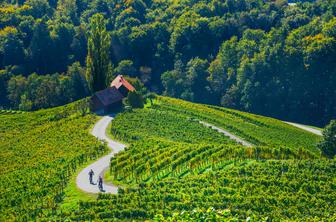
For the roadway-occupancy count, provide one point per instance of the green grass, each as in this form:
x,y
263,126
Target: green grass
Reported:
x,y
73,194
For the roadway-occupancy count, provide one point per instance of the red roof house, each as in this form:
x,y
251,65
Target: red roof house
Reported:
x,y
111,97
122,85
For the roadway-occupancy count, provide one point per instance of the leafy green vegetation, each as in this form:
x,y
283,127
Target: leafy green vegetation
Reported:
x,y
177,169
286,189
328,143
174,168
99,68
9,112
210,214
165,125
40,151
256,129
265,57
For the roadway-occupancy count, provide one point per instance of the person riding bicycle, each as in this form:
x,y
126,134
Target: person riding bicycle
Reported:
x,y
91,173
100,183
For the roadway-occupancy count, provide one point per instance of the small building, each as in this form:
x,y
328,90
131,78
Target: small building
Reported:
x,y
122,85
111,98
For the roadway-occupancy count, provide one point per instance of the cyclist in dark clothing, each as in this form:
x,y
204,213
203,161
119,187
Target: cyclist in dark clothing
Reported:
x,y
100,183
91,173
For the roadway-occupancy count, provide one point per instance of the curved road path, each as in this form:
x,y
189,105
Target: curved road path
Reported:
x,y
234,137
101,165
244,143
307,128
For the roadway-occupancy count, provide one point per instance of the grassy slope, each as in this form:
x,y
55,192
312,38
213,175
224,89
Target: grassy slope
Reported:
x,y
183,141
174,164
40,151
256,129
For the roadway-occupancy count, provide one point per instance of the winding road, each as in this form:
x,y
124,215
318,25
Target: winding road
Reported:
x,y
100,166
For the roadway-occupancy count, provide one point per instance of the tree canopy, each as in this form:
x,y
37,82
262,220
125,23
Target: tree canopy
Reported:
x,y
266,57
328,144
98,59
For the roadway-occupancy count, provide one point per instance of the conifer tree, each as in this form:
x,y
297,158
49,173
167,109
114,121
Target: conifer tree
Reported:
x,y
98,62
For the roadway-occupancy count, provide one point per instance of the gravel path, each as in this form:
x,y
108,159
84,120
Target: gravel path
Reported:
x,y
101,165
239,140
307,128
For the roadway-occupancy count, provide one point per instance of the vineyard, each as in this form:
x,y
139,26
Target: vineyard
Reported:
x,y
9,112
258,130
288,189
39,152
165,143
175,169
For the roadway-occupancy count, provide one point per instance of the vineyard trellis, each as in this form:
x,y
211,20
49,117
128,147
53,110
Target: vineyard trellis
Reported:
x,y
39,152
172,165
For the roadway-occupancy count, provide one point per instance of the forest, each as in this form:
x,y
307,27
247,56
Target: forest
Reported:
x,y
265,57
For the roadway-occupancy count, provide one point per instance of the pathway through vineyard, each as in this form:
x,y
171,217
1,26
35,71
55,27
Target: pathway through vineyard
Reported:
x,y
307,128
228,134
100,166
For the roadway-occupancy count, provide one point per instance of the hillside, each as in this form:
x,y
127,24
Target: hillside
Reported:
x,y
174,164
39,152
167,110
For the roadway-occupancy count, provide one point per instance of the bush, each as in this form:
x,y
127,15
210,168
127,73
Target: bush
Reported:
x,y
135,99
328,143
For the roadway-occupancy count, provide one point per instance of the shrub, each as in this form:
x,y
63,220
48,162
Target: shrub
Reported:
x,y
328,143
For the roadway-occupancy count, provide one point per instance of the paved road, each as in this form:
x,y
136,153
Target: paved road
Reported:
x,y
101,165
239,140
307,128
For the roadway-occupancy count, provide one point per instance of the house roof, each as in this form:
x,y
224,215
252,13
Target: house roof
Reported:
x,y
109,96
121,81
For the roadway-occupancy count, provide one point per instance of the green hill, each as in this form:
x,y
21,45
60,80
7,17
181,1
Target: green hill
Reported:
x,y
173,164
39,152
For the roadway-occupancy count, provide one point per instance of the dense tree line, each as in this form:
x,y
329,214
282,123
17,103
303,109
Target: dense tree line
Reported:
x,y
35,92
259,56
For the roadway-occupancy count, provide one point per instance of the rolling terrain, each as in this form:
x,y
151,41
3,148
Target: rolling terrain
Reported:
x,y
172,163
39,153
175,164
